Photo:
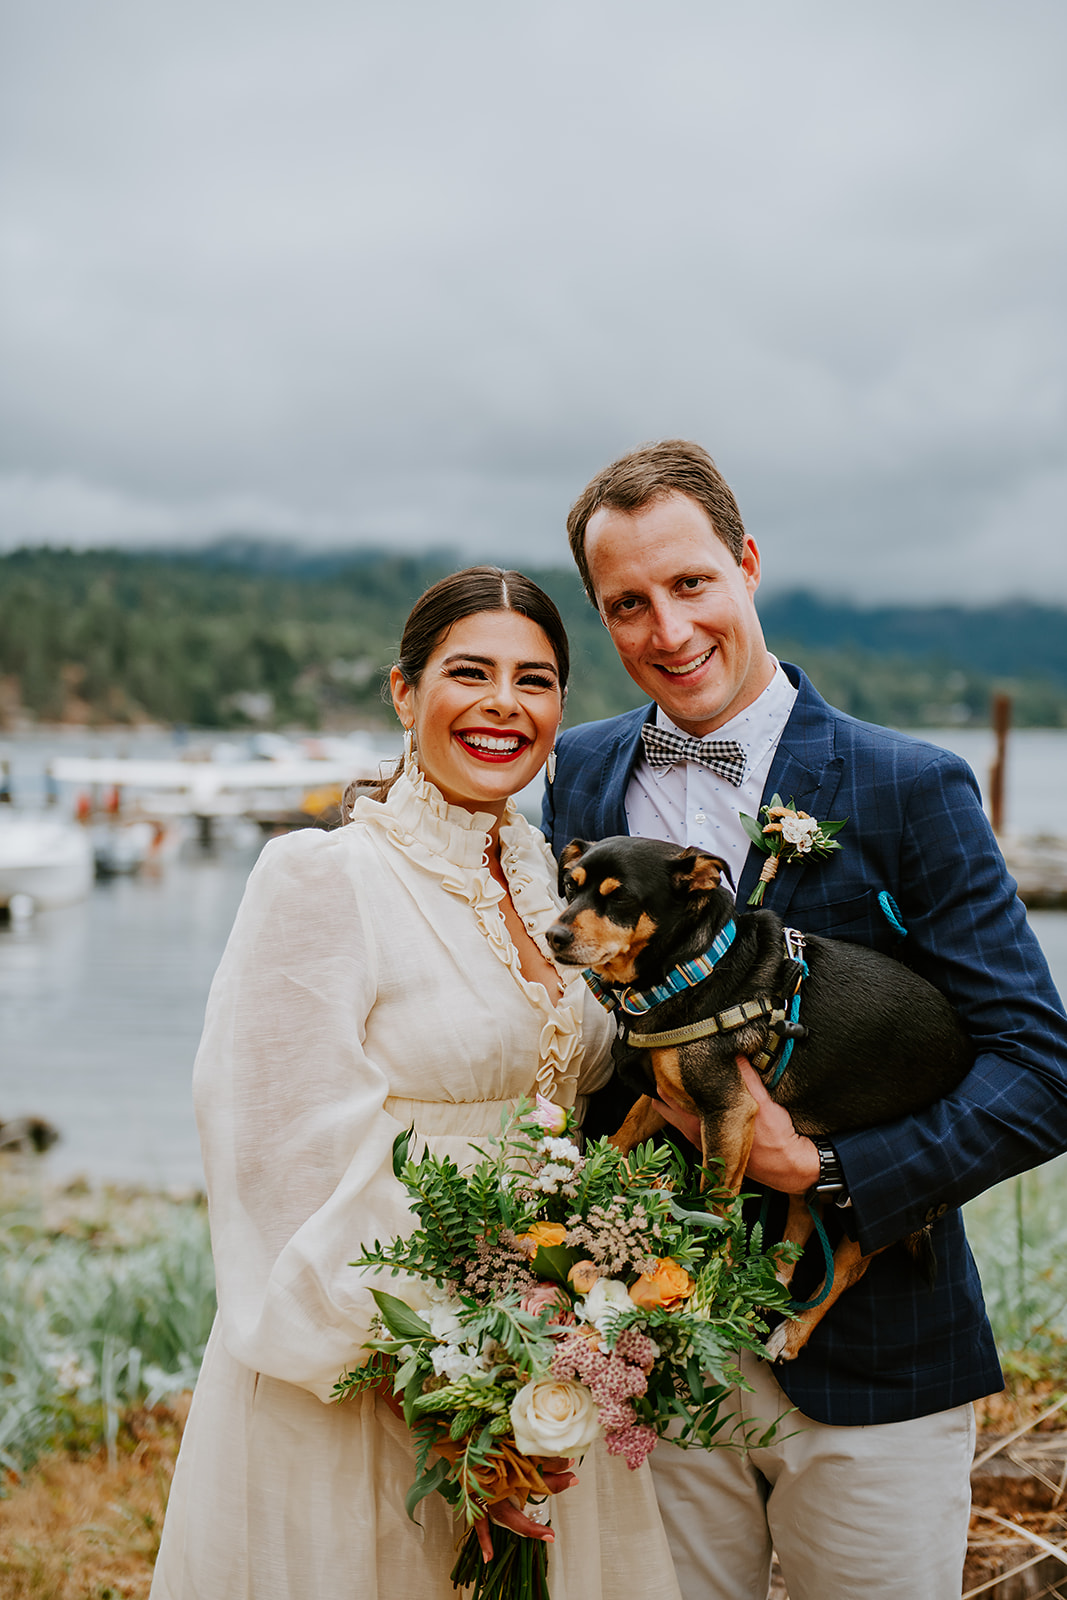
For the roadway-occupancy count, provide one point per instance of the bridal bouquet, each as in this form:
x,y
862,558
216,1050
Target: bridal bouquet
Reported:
x,y
548,1297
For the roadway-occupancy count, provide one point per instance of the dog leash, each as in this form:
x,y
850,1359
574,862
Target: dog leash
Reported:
x,y
797,1306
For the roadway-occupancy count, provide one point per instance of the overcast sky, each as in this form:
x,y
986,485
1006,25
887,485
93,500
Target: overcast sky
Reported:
x,y
407,274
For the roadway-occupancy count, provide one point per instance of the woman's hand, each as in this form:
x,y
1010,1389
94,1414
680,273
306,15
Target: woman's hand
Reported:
x,y
509,1514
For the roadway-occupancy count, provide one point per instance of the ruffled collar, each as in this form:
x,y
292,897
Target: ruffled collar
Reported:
x,y
418,808
453,844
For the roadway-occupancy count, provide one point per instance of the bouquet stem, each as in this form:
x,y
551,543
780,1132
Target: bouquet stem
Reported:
x,y
518,1570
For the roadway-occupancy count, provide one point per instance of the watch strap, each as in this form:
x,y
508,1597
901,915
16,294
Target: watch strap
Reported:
x,y
831,1179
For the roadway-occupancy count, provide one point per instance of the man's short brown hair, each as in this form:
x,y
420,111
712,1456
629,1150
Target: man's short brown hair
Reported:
x,y
673,466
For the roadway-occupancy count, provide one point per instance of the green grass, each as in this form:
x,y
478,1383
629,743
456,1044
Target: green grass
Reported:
x,y
1018,1232
107,1299
106,1302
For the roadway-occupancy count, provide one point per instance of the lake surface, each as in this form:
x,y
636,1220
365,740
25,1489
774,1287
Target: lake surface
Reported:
x,y
101,1003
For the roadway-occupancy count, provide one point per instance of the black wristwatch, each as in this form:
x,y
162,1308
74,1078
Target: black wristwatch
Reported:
x,y
831,1179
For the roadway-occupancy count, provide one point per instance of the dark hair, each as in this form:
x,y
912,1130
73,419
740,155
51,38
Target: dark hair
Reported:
x,y
673,466
466,594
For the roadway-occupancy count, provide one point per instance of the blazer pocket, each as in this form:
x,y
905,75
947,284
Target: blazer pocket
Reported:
x,y
858,920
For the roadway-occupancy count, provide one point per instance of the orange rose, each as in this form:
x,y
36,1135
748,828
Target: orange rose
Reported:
x,y
668,1286
506,1471
541,1234
582,1276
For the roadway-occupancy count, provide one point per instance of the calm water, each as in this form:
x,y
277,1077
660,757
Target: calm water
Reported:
x,y
101,1004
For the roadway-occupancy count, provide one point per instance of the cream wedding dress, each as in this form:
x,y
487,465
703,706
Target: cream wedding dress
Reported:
x,y
369,984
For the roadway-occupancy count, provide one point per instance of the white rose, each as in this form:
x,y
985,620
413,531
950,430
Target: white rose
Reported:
x,y
605,1300
553,1417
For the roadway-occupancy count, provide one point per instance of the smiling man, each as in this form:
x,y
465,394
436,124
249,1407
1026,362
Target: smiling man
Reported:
x,y
865,1488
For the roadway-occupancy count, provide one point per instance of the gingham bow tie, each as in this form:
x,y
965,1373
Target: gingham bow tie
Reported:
x,y
663,748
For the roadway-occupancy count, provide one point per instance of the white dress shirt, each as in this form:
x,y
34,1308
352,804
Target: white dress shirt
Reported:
x,y
690,804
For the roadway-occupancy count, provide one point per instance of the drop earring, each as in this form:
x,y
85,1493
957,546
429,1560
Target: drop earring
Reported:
x,y
550,766
410,763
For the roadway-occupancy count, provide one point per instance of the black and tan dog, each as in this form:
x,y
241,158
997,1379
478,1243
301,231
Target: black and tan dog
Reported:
x,y
694,985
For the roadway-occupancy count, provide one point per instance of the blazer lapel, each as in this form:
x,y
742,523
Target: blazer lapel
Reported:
x,y
807,774
614,777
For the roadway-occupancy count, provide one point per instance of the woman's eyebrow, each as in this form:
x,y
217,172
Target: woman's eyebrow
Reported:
x,y
491,661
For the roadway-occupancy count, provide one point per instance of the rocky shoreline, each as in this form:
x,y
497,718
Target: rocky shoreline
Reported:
x,y
1038,863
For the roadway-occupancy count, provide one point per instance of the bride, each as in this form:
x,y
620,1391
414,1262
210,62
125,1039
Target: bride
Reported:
x,y
390,973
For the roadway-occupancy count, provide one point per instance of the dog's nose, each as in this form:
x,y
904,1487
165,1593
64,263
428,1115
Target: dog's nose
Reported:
x,y
559,937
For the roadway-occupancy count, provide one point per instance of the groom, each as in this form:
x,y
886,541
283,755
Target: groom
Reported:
x,y
865,1487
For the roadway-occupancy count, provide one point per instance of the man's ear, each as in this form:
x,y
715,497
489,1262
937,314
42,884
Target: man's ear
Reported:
x,y
695,872
571,853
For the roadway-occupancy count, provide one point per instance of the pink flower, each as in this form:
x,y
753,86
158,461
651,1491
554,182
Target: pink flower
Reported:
x,y
552,1118
633,1443
544,1296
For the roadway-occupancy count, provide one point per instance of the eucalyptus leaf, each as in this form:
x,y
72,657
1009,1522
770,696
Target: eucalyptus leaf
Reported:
x,y
402,1150
405,1373
553,1261
753,829
402,1322
702,1219
424,1485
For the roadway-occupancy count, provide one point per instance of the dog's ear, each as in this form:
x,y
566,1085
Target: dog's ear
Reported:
x,y
695,872
571,853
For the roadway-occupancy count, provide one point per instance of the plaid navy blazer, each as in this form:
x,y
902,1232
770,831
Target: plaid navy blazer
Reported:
x,y
892,1347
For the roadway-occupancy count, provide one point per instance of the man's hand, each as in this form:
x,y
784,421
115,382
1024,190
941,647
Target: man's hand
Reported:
x,y
780,1157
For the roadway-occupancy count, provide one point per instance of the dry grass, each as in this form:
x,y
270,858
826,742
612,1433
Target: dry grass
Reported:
x,y
83,1530
76,1527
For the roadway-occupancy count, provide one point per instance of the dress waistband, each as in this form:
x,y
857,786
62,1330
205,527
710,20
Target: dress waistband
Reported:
x,y
462,1119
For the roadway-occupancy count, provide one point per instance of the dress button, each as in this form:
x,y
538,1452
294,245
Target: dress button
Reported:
x,y
699,817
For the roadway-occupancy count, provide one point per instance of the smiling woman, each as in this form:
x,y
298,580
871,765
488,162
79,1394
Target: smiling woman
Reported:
x,y
486,709
390,975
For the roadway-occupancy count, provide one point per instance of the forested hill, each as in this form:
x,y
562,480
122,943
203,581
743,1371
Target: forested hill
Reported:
x,y
245,633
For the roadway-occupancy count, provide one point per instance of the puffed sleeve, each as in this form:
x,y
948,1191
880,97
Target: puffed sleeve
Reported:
x,y
297,1143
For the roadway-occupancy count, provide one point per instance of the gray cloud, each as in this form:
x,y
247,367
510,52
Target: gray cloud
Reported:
x,y
411,274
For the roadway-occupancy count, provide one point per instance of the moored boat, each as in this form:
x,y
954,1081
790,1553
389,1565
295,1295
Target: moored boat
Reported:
x,y
44,860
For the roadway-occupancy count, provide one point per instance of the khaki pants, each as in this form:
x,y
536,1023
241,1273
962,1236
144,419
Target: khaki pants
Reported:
x,y
867,1513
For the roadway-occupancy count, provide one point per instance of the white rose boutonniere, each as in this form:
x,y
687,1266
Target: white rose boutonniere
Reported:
x,y
787,835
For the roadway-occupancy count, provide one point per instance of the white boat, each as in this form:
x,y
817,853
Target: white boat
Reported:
x,y
122,848
45,861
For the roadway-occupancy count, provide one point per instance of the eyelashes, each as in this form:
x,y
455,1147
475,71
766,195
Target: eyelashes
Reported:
x,y
528,680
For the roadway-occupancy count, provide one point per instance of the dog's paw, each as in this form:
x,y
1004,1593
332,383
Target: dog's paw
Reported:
x,y
777,1346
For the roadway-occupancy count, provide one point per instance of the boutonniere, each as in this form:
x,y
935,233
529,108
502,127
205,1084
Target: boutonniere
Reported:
x,y
787,835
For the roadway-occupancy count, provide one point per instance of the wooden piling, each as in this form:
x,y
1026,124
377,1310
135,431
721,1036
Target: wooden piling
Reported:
x,y
1001,725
